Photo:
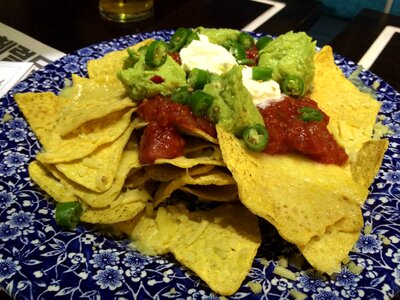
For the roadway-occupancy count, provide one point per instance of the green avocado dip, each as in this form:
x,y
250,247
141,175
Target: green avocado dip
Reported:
x,y
290,54
138,78
219,36
233,106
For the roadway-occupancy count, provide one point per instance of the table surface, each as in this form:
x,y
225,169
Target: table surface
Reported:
x,y
68,25
72,24
355,40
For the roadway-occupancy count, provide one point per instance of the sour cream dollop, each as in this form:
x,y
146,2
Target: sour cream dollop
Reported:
x,y
207,56
264,92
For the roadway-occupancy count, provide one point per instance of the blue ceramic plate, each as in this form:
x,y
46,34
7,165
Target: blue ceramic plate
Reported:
x,y
39,260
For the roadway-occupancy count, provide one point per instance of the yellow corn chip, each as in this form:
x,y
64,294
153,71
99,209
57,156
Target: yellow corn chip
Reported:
x,y
42,111
196,154
47,182
325,253
112,62
214,177
224,193
368,161
352,113
167,172
300,197
128,204
86,139
96,172
218,245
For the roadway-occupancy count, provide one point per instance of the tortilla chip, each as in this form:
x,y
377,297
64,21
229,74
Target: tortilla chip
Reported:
x,y
136,178
86,139
218,245
47,182
84,87
112,62
42,111
214,177
368,161
167,172
325,253
74,116
352,113
197,153
128,204
96,172
224,193
129,160
300,197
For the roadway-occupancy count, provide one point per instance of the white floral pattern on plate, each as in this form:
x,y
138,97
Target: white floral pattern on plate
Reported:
x,y
39,260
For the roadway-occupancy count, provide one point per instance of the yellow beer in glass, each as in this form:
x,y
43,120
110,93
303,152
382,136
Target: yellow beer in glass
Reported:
x,y
126,10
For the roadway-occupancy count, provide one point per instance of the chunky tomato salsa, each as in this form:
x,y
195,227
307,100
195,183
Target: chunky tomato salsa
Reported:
x,y
299,125
161,137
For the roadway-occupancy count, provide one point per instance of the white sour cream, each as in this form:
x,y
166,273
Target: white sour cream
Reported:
x,y
264,92
207,56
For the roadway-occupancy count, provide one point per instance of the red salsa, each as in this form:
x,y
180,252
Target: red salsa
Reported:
x,y
288,132
161,137
176,57
252,54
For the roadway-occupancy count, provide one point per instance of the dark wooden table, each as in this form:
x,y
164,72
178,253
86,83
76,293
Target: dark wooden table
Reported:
x,y
68,25
355,40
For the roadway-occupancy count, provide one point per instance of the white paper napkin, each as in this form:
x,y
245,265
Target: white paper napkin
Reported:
x,y
11,73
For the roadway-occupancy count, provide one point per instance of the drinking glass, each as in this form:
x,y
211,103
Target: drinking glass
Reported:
x,y
125,11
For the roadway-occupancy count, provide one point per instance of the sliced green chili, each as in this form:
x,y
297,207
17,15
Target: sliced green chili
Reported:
x,y
68,213
228,44
293,85
178,39
308,114
198,78
192,36
238,51
246,40
131,59
156,54
262,42
261,73
247,62
255,137
181,95
199,102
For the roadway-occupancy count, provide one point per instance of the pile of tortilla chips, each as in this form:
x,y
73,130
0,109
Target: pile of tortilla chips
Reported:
x,y
90,136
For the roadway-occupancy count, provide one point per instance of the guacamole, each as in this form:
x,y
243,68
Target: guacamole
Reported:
x,y
233,106
219,36
139,79
290,54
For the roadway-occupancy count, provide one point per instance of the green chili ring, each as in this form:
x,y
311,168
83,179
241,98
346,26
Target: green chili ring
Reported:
x,y
68,214
293,85
261,73
309,114
199,102
179,39
255,137
262,42
181,95
238,51
191,37
156,54
246,40
198,78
